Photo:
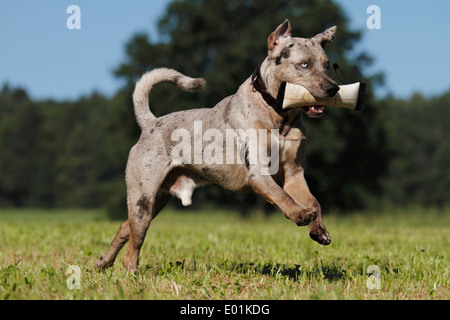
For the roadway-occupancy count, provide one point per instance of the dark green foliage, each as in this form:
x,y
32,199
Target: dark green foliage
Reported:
x,y
53,154
418,136
20,131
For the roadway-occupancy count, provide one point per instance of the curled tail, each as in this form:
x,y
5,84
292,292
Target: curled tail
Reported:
x,y
151,78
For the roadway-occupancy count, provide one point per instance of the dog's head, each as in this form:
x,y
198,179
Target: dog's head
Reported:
x,y
302,61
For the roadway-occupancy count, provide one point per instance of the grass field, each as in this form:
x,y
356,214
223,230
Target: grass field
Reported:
x,y
217,255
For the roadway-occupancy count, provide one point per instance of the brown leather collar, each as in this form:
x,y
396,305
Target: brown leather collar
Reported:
x,y
258,85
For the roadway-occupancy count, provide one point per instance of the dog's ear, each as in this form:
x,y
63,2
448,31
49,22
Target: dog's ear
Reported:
x,y
284,30
326,36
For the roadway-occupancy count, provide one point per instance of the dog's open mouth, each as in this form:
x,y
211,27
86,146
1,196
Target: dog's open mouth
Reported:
x,y
313,111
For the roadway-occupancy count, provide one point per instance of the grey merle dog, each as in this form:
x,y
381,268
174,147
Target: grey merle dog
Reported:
x,y
153,177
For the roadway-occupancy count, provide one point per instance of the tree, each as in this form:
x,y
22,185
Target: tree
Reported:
x,y
223,41
418,140
54,154
19,136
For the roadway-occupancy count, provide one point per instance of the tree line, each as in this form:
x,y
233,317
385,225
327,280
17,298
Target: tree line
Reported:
x,y
73,153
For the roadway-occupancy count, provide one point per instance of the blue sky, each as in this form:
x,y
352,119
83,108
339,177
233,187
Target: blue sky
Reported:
x,y
39,53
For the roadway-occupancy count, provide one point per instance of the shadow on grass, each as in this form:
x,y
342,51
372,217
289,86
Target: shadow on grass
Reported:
x,y
295,272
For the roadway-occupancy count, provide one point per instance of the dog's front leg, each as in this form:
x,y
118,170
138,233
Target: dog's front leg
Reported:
x,y
295,185
266,187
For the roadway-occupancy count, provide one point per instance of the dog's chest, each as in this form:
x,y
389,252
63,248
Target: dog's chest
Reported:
x,y
292,145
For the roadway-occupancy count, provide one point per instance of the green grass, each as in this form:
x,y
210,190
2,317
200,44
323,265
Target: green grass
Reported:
x,y
217,255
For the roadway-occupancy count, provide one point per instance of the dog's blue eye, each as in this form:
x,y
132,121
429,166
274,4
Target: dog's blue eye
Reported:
x,y
328,65
304,64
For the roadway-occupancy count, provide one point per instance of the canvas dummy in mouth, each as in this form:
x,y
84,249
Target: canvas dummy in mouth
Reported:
x,y
350,96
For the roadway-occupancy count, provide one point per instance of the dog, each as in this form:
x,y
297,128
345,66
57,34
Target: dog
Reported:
x,y
153,176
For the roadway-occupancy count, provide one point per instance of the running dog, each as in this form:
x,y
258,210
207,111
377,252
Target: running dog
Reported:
x,y
153,176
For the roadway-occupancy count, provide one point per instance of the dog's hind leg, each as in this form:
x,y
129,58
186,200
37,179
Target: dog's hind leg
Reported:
x,y
139,220
118,242
121,238
123,234
145,201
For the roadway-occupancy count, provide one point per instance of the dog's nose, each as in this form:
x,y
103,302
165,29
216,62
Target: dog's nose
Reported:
x,y
332,90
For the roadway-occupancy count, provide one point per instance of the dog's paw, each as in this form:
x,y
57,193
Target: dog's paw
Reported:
x,y
102,263
321,236
131,264
304,217
98,264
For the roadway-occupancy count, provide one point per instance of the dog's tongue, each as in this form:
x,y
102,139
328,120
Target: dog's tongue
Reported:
x,y
316,109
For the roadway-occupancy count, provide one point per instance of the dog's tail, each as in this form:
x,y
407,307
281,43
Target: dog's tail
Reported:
x,y
151,78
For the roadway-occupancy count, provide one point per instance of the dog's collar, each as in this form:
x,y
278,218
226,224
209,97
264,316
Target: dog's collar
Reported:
x,y
258,85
